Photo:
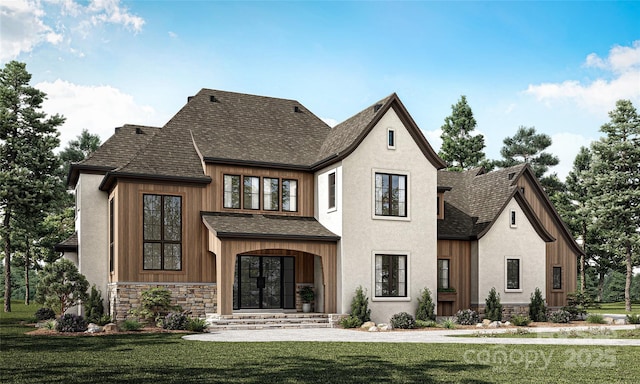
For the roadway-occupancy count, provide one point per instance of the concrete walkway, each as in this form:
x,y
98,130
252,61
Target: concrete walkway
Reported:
x,y
417,336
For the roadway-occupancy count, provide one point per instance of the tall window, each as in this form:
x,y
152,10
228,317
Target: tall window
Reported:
x,y
231,191
111,236
512,219
271,194
162,232
513,273
557,277
332,190
391,195
391,276
391,138
443,273
289,195
251,192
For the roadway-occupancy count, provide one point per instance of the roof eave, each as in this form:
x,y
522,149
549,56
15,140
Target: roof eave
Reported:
x,y
272,236
259,164
111,178
76,168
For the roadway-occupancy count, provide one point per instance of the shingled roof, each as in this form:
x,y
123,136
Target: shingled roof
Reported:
x,y
70,244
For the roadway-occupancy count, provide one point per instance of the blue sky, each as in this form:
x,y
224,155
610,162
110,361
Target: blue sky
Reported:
x,y
558,66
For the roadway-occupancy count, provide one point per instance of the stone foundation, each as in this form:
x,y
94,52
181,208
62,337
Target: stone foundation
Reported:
x,y
508,310
198,298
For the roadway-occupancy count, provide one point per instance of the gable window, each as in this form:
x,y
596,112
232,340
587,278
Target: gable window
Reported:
x,y
557,277
271,193
391,138
332,190
390,195
513,274
289,195
251,189
443,274
231,191
512,219
162,232
391,276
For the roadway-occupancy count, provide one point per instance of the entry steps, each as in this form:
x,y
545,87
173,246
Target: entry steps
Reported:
x,y
269,321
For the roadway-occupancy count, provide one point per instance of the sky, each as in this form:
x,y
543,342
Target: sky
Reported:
x,y
556,66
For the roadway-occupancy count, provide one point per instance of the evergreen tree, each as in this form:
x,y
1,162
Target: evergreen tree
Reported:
x,y
79,149
27,162
460,148
614,186
61,286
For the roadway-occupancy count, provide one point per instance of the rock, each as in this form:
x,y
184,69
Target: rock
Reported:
x,y
94,328
608,320
384,327
373,329
479,325
486,322
111,327
494,324
620,321
368,324
507,323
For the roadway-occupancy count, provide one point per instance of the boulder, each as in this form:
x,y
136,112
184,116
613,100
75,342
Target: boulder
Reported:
x,y
620,321
494,324
479,325
608,320
486,322
368,324
111,327
94,328
384,327
506,323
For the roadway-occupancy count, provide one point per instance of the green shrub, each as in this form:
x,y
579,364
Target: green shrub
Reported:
x,y
44,313
71,323
467,317
195,324
403,320
155,304
175,321
350,322
426,307
559,316
61,286
520,320
93,306
493,308
596,318
131,325
360,306
104,319
426,324
578,304
633,319
448,323
537,307
51,324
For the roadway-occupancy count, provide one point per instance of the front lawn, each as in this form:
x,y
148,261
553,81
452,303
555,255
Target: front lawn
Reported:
x,y
166,358
591,333
615,308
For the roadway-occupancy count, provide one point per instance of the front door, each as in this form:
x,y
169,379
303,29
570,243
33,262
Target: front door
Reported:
x,y
264,282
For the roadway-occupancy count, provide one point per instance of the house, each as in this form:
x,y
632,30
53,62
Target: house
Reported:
x,y
241,200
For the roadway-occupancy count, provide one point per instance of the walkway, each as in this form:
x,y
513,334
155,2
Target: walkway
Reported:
x,y
417,336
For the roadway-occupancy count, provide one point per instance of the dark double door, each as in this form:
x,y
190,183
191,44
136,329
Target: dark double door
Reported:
x,y
264,282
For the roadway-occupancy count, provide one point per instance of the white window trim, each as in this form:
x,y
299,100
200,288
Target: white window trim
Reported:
x,y
395,138
507,290
373,276
373,194
335,207
514,223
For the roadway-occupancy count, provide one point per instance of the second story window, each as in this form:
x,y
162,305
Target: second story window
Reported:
x,y
271,194
332,190
391,195
231,197
289,195
391,138
251,192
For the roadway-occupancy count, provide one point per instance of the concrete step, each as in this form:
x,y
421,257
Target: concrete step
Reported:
x,y
268,321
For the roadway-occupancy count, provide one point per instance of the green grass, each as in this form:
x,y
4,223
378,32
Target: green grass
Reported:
x,y
166,358
591,333
615,308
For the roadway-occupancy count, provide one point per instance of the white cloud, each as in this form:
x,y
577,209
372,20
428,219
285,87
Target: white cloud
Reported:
x,y
620,80
25,24
99,109
566,146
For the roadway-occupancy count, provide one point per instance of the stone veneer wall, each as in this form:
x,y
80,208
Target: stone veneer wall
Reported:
x,y
199,298
508,310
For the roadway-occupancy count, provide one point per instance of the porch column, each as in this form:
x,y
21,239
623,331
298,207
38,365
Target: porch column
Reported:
x,y
225,271
329,270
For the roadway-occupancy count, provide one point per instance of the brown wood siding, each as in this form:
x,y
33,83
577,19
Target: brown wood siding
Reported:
x,y
198,265
559,253
214,191
459,254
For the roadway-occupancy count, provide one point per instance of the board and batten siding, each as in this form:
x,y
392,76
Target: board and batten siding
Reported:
x,y
459,254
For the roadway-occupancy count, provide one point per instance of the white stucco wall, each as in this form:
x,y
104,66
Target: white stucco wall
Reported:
x,y
92,224
502,242
364,236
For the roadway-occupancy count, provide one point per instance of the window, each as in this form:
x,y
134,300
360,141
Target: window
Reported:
x,y
162,232
289,195
512,219
391,276
111,235
271,194
231,191
391,138
443,273
557,277
513,273
391,195
251,192
332,190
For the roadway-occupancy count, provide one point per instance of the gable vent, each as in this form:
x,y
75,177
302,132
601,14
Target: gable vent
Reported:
x,y
213,99
297,109
138,131
189,98
376,108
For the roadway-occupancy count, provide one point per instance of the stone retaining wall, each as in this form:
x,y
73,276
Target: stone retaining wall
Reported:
x,y
199,298
508,310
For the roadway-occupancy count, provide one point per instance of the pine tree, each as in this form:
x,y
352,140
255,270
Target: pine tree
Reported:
x,y
426,307
27,162
78,149
493,308
614,186
460,148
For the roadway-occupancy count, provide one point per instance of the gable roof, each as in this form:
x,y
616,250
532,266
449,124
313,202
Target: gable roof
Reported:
x,y
69,244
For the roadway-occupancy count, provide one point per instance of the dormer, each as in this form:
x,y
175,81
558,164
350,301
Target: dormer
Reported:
x,y
440,202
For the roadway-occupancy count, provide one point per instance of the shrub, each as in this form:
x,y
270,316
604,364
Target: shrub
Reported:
x,y
559,316
104,320
426,324
360,306
403,320
155,304
467,317
61,286
537,308
633,319
131,325
306,294
578,303
93,307
425,310
448,323
196,325
71,323
45,313
493,308
350,322
175,321
521,321
51,324
595,318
